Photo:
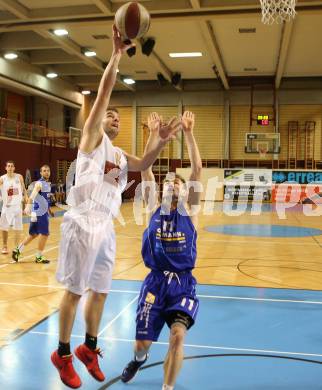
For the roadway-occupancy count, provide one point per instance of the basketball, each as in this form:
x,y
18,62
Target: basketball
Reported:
x,y
132,20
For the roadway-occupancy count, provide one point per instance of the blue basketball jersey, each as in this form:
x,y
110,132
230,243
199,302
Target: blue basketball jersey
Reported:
x,y
45,193
169,242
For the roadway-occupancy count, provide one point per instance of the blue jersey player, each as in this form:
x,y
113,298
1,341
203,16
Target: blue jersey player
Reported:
x,y
38,207
168,293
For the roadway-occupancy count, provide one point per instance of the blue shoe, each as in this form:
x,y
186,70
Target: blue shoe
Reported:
x,y
131,370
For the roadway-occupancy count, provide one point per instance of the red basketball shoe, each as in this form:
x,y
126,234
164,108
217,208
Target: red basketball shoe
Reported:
x,y
64,365
89,358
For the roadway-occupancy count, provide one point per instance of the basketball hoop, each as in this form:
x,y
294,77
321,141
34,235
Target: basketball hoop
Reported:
x,y
277,11
262,153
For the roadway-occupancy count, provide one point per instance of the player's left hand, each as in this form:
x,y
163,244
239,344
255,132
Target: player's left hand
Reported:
x,y
188,121
120,47
167,131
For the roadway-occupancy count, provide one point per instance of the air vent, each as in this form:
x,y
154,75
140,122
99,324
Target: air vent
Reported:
x,y
250,69
101,36
249,30
141,72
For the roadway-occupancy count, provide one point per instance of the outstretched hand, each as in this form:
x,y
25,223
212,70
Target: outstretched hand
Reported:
x,y
119,46
188,121
167,131
154,122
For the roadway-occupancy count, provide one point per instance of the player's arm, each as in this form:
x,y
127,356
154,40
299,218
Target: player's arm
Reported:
x,y
1,181
32,197
149,187
188,122
93,132
23,187
165,132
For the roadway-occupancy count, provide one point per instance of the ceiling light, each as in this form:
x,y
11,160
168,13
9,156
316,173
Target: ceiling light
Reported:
x,y
10,56
90,53
129,81
51,75
86,92
60,32
185,55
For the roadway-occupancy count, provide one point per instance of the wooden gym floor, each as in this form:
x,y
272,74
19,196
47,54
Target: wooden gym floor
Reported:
x,y
29,291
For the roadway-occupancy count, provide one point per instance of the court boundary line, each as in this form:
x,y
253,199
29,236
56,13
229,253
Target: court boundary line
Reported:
x,y
216,347
125,308
198,295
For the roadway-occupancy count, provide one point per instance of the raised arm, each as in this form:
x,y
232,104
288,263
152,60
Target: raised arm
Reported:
x,y
188,122
93,131
149,189
163,134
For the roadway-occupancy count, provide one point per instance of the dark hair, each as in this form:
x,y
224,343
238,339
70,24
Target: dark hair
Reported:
x,y
177,176
113,109
10,162
44,166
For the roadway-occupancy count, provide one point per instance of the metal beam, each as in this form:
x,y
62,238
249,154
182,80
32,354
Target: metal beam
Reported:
x,y
26,40
211,41
72,70
15,8
195,4
43,57
73,49
104,5
282,57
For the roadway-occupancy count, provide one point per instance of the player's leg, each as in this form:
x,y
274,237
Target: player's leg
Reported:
x,y
74,263
180,315
4,242
149,323
17,226
42,226
99,285
4,226
40,258
174,358
62,357
17,252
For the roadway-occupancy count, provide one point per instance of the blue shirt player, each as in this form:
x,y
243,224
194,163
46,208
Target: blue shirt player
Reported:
x,y
38,207
168,294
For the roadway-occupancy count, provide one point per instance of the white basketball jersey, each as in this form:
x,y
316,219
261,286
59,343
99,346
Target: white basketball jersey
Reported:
x,y
11,190
101,177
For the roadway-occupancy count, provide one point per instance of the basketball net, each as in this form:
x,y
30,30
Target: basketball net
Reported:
x,y
262,153
277,11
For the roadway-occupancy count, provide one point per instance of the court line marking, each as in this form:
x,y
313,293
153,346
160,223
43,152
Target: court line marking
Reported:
x,y
192,345
198,295
109,324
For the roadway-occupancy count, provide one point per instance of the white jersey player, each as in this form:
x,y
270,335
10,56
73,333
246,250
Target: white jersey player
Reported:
x,y
13,192
87,249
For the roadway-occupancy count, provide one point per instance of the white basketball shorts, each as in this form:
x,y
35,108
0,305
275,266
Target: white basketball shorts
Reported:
x,y
11,218
87,254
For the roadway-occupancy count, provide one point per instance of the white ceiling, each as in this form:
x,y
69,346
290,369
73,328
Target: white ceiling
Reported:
x,y
177,25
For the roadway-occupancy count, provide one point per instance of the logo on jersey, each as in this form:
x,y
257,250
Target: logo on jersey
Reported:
x,y
112,171
150,298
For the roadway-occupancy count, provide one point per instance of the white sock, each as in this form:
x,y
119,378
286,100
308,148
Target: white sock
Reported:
x,y
20,247
39,254
167,387
139,356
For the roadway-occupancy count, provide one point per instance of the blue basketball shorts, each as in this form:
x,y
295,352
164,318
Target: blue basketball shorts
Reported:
x,y
163,295
41,226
